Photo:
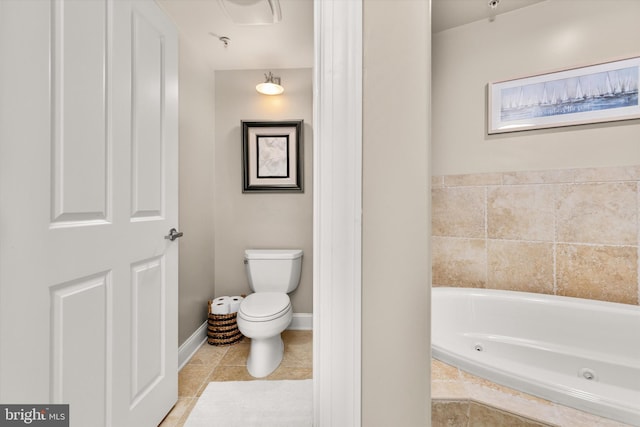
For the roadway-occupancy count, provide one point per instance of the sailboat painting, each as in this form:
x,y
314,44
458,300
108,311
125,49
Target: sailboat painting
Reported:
x,y
596,93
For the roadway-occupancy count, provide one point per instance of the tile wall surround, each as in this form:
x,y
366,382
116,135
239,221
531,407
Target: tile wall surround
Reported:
x,y
572,232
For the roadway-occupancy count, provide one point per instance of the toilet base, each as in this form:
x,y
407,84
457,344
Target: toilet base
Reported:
x,y
265,355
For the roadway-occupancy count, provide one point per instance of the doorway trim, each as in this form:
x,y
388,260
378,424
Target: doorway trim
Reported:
x,y
337,212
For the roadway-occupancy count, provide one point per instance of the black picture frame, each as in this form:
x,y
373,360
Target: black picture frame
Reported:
x,y
272,156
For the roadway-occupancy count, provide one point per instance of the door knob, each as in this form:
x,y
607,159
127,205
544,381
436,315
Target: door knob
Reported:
x,y
173,234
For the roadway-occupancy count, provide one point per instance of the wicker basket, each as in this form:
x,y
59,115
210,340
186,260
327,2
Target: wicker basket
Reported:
x,y
222,329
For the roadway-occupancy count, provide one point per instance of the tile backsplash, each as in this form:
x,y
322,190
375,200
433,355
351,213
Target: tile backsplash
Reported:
x,y
570,232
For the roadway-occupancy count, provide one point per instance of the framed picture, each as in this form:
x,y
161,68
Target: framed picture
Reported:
x,y
597,93
272,156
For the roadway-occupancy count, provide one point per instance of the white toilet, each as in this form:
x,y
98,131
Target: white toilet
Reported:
x,y
264,314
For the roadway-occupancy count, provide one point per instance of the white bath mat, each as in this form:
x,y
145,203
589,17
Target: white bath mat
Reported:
x,y
287,403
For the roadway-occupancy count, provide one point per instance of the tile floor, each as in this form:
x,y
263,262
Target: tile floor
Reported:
x,y
213,363
458,396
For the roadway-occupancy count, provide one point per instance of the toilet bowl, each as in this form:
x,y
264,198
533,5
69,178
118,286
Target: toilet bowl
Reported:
x,y
263,317
266,313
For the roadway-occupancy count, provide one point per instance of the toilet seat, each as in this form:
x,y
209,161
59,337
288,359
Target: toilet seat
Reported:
x,y
264,306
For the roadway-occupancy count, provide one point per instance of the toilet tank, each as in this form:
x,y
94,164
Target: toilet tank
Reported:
x,y
273,270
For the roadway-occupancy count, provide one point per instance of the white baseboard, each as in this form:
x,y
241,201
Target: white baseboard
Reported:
x,y
191,345
300,322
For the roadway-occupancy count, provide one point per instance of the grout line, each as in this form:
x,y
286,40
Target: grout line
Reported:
x,y
555,240
615,245
486,237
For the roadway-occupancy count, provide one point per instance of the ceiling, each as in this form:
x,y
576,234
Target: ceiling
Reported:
x,y
289,43
453,13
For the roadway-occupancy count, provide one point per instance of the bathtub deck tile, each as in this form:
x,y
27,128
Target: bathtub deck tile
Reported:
x,y
474,381
448,390
569,417
515,402
535,412
443,372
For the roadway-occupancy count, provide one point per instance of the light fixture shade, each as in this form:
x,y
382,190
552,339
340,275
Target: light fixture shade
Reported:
x,y
271,86
269,89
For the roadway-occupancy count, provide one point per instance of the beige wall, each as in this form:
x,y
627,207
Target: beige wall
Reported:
x,y
395,253
196,191
250,220
551,35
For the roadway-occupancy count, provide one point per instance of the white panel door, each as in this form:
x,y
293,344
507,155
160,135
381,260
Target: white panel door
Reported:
x,y
88,191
